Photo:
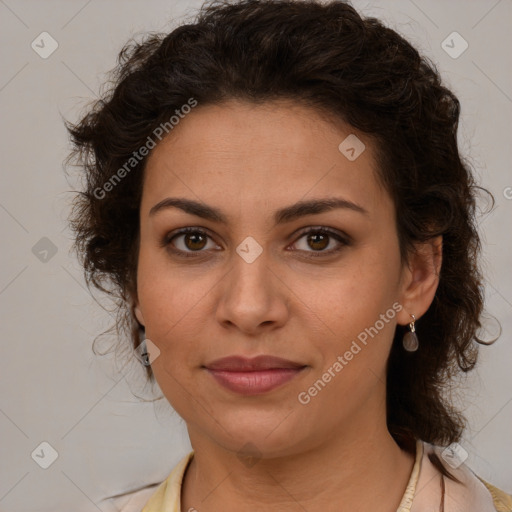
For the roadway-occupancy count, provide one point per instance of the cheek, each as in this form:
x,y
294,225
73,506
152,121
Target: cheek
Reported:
x,y
176,309
358,292
172,323
163,293
360,305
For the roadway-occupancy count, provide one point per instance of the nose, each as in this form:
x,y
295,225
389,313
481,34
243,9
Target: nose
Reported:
x,y
253,297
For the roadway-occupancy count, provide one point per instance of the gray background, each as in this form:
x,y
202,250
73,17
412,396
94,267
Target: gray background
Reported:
x,y
53,388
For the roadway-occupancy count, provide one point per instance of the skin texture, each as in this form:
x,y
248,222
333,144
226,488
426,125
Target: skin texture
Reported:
x,y
248,161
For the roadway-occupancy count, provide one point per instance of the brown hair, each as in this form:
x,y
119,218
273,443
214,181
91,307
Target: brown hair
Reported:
x,y
324,55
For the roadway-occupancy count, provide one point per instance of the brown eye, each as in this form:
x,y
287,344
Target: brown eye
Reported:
x,y
194,241
188,241
318,240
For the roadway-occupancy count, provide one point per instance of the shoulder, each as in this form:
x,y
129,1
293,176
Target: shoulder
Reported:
x,y
467,492
502,501
132,501
159,497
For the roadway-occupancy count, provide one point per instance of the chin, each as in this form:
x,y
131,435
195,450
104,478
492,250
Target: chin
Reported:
x,y
253,435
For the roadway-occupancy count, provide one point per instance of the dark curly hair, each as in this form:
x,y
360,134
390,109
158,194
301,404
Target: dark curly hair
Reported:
x,y
326,56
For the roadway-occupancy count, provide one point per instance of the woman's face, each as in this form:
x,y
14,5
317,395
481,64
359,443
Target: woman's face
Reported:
x,y
256,283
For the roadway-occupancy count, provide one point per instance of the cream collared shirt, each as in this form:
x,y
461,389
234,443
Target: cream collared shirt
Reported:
x,y
423,492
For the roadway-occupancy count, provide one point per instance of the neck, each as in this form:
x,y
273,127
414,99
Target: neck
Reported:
x,y
358,469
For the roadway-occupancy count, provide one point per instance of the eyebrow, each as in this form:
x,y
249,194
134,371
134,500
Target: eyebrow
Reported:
x,y
287,214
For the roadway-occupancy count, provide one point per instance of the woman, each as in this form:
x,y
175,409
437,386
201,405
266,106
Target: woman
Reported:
x,y
275,195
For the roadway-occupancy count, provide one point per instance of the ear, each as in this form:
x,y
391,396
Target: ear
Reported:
x,y
138,313
420,279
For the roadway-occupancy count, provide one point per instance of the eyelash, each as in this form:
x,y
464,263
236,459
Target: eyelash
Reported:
x,y
343,240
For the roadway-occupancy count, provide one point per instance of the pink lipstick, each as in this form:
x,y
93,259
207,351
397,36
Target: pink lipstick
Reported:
x,y
254,376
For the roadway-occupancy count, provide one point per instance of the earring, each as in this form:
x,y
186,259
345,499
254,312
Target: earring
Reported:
x,y
144,355
142,349
410,340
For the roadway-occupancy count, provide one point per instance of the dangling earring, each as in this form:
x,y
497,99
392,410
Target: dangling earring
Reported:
x,y
144,355
142,349
410,340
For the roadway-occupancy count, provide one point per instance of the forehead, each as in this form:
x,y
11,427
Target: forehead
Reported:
x,y
257,154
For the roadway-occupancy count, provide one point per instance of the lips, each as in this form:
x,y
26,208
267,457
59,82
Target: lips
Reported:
x,y
253,376
244,364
